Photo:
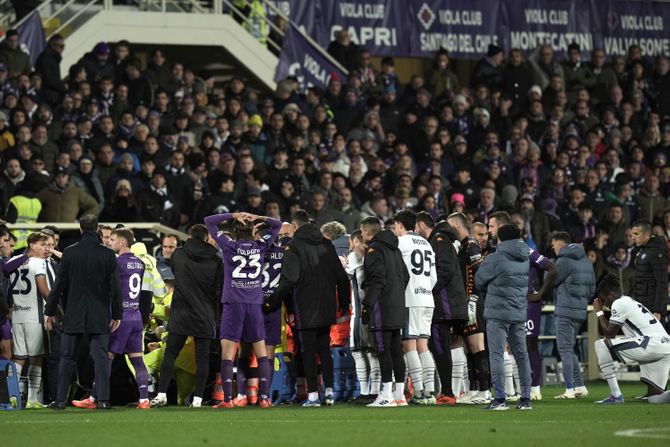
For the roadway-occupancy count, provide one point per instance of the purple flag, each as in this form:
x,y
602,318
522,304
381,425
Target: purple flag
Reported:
x,y
31,34
299,58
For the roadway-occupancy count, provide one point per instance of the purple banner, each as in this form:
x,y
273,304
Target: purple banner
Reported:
x,y
417,28
465,28
626,23
554,22
31,34
374,24
301,59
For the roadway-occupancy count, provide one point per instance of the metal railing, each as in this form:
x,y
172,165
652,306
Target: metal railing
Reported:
x,y
300,30
247,21
7,14
154,227
68,14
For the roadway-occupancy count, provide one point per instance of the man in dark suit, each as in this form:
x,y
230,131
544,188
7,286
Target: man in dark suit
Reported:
x,y
85,291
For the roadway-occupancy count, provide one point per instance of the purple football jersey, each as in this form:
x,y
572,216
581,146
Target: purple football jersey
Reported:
x,y
242,262
272,269
533,319
538,264
131,272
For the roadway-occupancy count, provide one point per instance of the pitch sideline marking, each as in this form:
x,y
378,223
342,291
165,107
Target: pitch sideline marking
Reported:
x,y
648,433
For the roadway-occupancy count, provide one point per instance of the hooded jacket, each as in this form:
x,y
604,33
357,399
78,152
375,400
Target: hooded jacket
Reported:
x,y
651,275
313,282
575,283
504,277
197,288
386,278
449,292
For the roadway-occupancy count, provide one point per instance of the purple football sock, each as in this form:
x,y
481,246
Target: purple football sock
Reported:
x,y
535,366
242,366
141,376
264,374
227,379
271,364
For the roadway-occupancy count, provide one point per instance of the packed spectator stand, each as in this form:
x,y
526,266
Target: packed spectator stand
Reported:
x,y
564,144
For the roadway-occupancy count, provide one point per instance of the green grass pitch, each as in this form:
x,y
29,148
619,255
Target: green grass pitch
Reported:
x,y
551,423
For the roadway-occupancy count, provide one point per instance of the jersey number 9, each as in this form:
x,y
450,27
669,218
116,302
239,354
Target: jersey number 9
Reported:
x,y
134,285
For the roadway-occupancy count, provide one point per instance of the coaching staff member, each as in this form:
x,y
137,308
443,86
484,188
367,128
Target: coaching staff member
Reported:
x,y
504,277
651,269
386,278
198,273
86,289
313,284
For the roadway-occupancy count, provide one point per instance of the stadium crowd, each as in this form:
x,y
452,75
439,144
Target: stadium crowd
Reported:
x,y
565,150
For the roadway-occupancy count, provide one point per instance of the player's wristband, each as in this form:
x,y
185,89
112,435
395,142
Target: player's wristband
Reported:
x,y
600,313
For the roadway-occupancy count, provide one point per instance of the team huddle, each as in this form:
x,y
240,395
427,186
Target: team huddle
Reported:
x,y
435,312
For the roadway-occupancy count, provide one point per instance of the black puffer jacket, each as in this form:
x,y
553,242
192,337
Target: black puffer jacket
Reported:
x,y
651,275
386,278
449,292
198,273
312,280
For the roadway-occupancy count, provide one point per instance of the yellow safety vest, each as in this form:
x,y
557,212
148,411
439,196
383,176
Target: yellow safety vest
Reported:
x,y
257,24
28,210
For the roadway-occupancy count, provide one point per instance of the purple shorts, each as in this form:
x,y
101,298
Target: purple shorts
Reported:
x,y
534,314
242,322
6,330
273,328
127,339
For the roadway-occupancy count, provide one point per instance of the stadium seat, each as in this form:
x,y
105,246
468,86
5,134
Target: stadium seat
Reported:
x,y
550,373
345,383
282,387
10,397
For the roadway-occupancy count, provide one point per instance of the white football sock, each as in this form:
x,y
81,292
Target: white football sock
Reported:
x,y
458,361
415,372
23,381
375,373
313,396
387,391
535,390
362,367
34,382
197,402
606,363
428,373
614,386
399,393
509,373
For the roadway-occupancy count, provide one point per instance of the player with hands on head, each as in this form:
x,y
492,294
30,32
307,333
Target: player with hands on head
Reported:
x,y
242,297
645,341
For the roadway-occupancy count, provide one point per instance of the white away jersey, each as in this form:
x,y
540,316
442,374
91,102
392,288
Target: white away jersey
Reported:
x,y
636,320
28,305
419,258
